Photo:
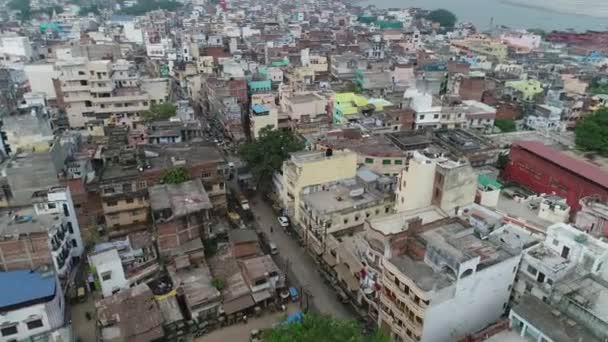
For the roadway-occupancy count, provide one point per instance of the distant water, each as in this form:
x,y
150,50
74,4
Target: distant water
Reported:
x,y
512,13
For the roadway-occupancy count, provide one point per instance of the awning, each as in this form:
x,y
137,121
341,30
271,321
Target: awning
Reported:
x,y
344,274
238,304
261,296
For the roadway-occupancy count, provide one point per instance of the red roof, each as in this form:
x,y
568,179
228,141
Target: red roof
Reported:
x,y
584,169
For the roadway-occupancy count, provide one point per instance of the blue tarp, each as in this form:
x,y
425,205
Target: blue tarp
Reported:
x,y
294,317
293,292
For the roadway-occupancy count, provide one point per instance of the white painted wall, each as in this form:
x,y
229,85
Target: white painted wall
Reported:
x,y
109,261
40,78
477,301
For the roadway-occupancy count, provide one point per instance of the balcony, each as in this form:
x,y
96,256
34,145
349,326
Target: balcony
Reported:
x,y
70,88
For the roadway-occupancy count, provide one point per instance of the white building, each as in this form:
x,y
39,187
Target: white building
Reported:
x,y
16,46
40,78
32,307
109,271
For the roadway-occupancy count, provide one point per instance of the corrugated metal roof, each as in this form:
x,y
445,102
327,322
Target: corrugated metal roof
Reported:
x,y
24,286
584,169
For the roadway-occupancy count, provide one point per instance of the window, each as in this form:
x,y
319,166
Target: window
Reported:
x,y
398,162
421,117
549,281
386,162
532,270
74,243
108,190
51,205
345,221
111,203
528,287
8,331
541,277
387,209
436,116
106,275
129,200
369,160
34,324
66,211
70,228
206,174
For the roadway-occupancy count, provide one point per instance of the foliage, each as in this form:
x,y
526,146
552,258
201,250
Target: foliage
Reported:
x,y
176,175
320,328
542,33
144,6
592,133
598,86
505,125
158,112
218,283
85,10
266,154
210,246
502,161
442,16
23,6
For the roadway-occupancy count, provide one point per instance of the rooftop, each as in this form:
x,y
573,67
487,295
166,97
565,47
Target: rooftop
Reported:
x,y
259,267
195,284
40,286
397,223
26,221
305,98
183,199
410,140
580,167
422,274
237,236
348,194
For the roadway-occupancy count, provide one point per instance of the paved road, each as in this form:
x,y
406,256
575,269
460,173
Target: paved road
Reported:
x,y
302,264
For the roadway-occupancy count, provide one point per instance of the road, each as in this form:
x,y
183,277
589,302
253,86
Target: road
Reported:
x,y
302,264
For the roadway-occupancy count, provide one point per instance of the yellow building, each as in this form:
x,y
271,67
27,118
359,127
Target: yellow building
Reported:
x,y
309,168
482,45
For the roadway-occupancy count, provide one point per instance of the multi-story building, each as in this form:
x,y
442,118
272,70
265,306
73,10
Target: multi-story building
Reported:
x,y
343,206
437,180
262,116
33,307
593,216
101,90
180,213
345,66
46,234
306,111
438,270
309,168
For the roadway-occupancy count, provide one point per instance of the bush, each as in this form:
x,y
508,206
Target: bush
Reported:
x,y
505,126
591,134
442,16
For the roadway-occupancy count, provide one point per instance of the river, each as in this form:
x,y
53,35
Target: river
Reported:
x,y
515,13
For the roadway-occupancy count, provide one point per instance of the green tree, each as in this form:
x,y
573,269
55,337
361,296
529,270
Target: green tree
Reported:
x,y
175,175
144,6
502,161
218,283
23,6
591,134
159,112
598,85
442,16
266,154
320,328
505,126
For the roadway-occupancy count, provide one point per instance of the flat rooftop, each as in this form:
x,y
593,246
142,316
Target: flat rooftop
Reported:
x,y
397,223
410,141
306,98
183,199
422,274
341,198
40,286
314,156
25,221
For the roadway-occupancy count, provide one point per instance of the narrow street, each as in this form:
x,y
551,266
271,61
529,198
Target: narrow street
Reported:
x,y
302,264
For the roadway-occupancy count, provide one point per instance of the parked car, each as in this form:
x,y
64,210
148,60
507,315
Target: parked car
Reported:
x,y
273,248
283,221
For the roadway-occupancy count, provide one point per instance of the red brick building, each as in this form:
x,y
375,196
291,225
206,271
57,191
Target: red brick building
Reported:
x,y
546,170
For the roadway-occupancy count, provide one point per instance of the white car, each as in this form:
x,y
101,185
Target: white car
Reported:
x,y
283,221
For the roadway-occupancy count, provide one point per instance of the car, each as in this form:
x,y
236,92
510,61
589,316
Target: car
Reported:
x,y
273,248
283,221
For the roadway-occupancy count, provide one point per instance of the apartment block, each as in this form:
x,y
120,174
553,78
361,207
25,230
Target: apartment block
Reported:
x,y
444,268
309,168
102,91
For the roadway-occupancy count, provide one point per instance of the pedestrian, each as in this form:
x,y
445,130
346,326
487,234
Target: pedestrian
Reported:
x,y
271,230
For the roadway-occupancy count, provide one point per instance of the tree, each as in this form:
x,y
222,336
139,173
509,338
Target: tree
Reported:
x,y
505,126
442,16
144,6
598,85
158,112
591,134
23,6
502,161
218,283
266,154
320,328
176,175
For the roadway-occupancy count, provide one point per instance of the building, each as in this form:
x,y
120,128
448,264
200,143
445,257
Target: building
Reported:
x,y
479,115
16,46
130,315
467,144
263,277
194,284
566,256
439,270
593,216
262,116
102,90
342,206
308,168
46,234
345,66
437,180
180,213
33,307
546,170
306,110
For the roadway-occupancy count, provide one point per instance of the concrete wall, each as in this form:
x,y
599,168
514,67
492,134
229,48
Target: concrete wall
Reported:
x,y
415,188
109,263
40,78
480,299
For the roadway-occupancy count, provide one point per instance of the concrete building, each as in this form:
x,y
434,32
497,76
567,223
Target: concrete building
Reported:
x,y
40,77
565,257
263,116
434,179
180,213
17,46
306,109
46,234
263,277
33,307
342,206
439,271
102,90
345,66
593,216
309,168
